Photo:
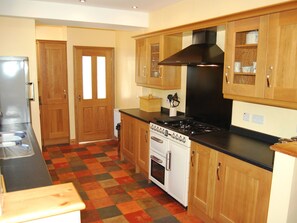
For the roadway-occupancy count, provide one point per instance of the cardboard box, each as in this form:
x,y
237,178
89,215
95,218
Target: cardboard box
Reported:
x,y
150,103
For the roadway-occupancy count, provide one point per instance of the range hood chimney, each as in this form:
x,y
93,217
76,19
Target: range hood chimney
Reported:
x,y
203,51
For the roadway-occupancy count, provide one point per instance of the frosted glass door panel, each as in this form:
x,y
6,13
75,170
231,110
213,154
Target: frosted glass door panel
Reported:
x,y
87,77
101,77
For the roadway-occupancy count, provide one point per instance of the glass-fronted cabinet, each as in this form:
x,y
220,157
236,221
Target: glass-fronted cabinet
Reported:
x,y
149,52
245,58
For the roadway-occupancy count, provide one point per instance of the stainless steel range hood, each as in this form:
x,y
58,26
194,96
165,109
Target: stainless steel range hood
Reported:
x,y
203,51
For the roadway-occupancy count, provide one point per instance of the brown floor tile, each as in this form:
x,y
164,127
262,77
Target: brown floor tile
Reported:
x,y
110,188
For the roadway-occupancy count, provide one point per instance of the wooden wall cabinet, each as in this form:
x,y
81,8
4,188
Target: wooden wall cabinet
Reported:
x,y
274,81
135,142
149,52
225,189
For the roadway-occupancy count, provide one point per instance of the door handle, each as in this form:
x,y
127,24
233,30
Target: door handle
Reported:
x,y
156,139
168,160
32,91
65,93
156,159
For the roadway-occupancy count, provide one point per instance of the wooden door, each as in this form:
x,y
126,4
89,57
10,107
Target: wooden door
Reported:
x,y
128,138
53,90
249,83
242,191
202,179
94,93
142,145
141,62
281,67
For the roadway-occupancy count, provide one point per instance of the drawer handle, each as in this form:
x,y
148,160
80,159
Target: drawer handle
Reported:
x,y
157,139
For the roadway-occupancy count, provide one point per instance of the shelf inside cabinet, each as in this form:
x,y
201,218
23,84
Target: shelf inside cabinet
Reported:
x,y
245,73
247,45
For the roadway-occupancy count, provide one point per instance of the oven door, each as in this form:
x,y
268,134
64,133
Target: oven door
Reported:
x,y
157,170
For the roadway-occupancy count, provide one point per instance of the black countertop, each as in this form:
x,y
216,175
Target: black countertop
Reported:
x,y
246,145
27,172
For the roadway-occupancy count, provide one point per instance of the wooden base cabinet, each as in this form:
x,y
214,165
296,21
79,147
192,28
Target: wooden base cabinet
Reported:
x,y
135,142
225,189
128,139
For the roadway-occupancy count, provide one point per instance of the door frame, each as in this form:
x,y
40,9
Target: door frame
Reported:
x,y
75,75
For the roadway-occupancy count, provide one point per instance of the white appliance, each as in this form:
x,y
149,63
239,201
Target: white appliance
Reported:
x,y
14,90
169,161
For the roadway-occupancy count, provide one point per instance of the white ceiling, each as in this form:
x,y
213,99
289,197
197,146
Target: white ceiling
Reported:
x,y
143,5
106,14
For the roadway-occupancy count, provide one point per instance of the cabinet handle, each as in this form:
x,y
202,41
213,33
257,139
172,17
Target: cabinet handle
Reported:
x,y
145,136
79,98
218,171
192,158
226,75
144,71
65,94
267,80
268,77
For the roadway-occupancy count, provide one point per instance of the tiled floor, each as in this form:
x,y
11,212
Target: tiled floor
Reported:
x,y
110,188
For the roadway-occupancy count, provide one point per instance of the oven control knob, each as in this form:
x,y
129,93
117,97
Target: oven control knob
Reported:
x,y
184,139
166,132
173,135
180,138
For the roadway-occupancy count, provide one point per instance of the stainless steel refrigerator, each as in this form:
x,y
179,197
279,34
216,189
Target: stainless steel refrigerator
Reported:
x,y
14,90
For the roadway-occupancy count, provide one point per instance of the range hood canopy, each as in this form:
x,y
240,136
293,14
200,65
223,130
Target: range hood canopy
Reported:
x,y
203,51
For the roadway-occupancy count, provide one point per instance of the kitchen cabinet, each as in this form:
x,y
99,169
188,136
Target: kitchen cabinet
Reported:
x,y
128,138
274,80
142,146
281,65
242,52
202,181
53,91
149,52
226,189
135,142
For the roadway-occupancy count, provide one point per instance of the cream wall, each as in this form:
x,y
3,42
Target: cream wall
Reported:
x,y
126,91
18,39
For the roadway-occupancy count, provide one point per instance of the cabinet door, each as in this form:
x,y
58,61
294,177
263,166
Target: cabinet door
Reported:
x,y
245,57
242,191
141,62
128,138
154,56
202,179
142,145
281,67
178,174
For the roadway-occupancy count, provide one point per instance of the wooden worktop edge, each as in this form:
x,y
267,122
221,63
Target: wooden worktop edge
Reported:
x,y
42,202
286,148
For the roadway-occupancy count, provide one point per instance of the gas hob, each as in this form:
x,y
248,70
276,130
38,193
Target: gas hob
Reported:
x,y
187,126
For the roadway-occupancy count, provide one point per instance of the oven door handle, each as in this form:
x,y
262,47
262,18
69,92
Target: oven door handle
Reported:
x,y
168,160
156,159
156,139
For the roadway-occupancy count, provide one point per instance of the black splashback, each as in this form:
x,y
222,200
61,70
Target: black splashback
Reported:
x,y
204,99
